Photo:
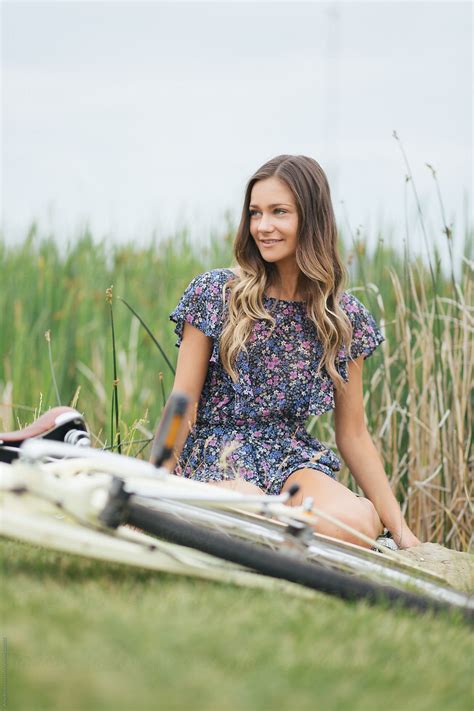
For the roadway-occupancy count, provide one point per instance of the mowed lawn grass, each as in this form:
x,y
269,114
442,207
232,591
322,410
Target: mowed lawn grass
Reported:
x,y
89,635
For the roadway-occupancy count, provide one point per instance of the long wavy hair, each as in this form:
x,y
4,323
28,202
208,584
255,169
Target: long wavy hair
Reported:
x,y
322,275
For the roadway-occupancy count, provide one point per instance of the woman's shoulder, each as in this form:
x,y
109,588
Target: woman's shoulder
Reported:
x,y
202,303
212,277
366,333
352,305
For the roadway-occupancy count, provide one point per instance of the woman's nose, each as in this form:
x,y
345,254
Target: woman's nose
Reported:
x,y
265,224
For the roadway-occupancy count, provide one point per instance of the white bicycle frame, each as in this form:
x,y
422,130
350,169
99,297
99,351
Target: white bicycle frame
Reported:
x,y
82,486
147,480
37,520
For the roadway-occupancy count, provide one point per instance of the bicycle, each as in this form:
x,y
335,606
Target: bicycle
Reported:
x,y
108,493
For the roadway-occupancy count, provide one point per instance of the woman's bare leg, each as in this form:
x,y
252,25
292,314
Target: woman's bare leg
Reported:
x,y
338,501
238,484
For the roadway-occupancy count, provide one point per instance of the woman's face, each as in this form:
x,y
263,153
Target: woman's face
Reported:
x,y
274,220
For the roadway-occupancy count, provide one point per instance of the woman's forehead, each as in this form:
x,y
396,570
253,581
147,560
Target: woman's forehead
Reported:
x,y
271,191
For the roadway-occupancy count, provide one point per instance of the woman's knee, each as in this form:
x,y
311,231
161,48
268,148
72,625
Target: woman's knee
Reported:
x,y
342,506
338,530
361,517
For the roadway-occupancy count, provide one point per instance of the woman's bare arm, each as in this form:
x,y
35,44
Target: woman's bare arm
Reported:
x,y
361,456
191,370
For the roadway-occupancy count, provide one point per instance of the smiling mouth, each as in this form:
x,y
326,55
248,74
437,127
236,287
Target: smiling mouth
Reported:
x,y
269,242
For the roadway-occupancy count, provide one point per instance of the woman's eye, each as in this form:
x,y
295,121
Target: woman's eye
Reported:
x,y
252,213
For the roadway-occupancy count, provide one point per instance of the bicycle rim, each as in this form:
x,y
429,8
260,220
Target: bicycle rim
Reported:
x,y
278,564
330,553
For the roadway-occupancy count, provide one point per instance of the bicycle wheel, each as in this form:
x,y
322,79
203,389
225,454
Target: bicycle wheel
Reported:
x,y
28,519
203,505
275,563
339,556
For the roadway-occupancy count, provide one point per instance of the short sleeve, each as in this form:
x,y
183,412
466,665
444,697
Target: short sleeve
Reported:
x,y
366,335
201,305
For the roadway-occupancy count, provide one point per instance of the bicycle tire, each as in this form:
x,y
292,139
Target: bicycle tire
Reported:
x,y
329,553
25,519
283,537
277,564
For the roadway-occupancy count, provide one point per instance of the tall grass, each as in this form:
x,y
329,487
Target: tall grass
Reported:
x,y
418,385
46,288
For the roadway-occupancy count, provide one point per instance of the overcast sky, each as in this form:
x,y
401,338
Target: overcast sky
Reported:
x,y
136,116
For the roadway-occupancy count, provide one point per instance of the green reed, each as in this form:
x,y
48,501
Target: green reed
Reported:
x,y
418,384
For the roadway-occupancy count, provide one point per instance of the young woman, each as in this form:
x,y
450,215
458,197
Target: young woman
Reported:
x,y
273,340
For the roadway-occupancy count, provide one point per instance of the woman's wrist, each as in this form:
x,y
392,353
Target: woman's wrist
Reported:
x,y
403,536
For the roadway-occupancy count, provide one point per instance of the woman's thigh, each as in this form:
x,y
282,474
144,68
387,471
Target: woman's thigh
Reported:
x,y
337,500
240,485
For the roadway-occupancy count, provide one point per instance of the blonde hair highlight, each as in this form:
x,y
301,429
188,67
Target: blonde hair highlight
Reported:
x,y
322,276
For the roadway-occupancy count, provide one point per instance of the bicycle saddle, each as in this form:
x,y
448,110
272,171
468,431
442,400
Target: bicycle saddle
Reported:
x,y
62,424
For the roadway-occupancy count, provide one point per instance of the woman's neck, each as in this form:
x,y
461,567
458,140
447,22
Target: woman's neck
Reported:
x,y
285,283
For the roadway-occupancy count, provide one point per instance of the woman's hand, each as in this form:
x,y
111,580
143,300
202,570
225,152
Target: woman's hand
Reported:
x,y
405,539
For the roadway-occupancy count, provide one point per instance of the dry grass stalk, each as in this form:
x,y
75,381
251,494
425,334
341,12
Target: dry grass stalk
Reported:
x,y
425,418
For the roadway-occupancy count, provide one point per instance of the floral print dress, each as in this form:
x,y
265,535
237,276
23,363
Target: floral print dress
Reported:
x,y
255,428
